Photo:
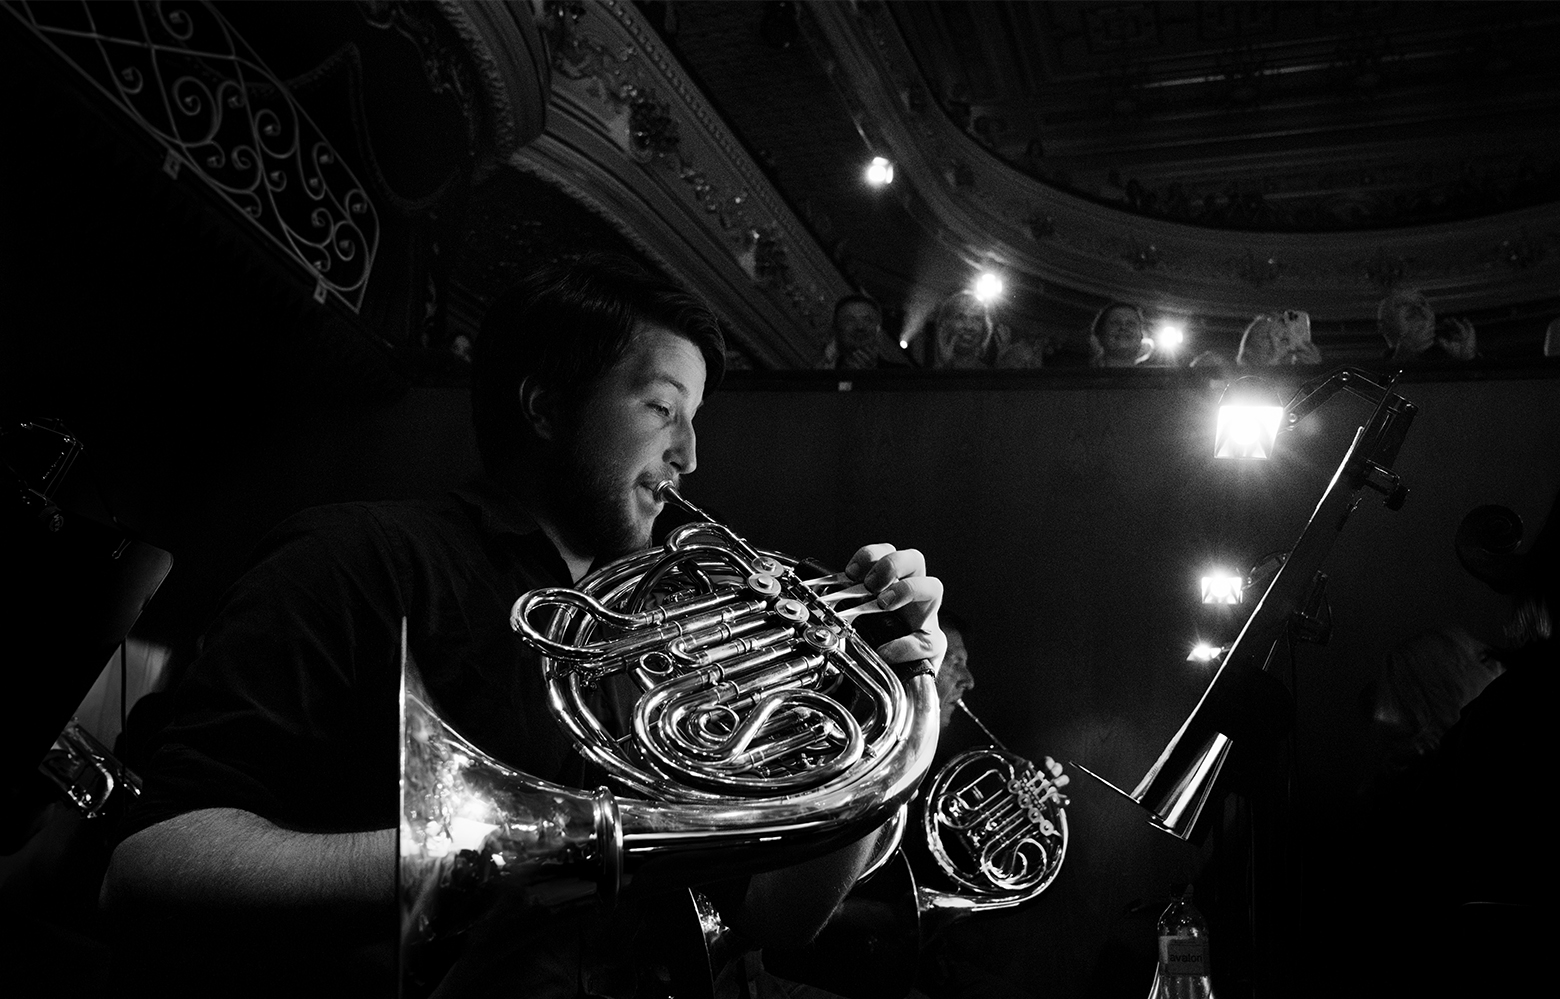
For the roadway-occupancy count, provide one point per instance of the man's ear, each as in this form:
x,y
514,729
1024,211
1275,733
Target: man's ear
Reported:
x,y
539,406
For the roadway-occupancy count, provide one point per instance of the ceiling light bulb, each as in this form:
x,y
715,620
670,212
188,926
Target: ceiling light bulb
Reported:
x,y
987,287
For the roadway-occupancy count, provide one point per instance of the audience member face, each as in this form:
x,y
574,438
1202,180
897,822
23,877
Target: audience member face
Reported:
x,y
1408,323
953,679
857,327
962,332
1279,338
633,431
1121,334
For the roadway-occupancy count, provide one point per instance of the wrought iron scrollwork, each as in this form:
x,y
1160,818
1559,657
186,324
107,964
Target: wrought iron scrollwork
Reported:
x,y
183,73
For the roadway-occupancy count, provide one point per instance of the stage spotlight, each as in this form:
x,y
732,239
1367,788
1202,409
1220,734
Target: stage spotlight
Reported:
x,y
1202,652
987,287
1222,588
880,172
1249,418
904,345
1170,336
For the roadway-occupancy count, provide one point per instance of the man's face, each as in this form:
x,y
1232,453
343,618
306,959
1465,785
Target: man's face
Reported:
x,y
633,431
1411,323
953,679
856,326
962,328
1122,334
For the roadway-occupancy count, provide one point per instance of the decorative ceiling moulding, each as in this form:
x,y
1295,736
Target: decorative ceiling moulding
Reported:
x,y
630,136
991,212
185,76
505,47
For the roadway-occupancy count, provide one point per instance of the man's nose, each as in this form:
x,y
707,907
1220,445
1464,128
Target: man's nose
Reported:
x,y
683,454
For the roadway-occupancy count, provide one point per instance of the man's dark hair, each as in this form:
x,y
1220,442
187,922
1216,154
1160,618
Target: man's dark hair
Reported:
x,y
858,297
566,325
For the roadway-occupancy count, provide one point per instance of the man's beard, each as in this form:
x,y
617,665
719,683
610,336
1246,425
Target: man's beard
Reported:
x,y
594,507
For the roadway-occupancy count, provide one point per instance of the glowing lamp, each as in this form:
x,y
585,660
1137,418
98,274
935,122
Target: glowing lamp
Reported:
x,y
880,172
987,287
1202,652
1249,417
1170,336
1221,588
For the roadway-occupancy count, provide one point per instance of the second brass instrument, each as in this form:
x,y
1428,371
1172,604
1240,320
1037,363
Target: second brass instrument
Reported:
x,y
996,826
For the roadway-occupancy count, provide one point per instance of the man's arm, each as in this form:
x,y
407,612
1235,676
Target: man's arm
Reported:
x,y
228,863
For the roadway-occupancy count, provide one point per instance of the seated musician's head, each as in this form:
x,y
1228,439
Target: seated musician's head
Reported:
x,y
585,381
1419,692
954,679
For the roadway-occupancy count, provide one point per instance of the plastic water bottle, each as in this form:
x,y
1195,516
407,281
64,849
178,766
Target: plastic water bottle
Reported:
x,y
1183,971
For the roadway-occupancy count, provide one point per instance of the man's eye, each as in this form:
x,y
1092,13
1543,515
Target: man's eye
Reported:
x,y
662,408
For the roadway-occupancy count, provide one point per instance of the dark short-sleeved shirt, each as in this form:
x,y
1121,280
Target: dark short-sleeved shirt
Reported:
x,y
291,710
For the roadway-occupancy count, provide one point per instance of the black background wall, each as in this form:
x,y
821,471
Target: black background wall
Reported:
x,y
1071,526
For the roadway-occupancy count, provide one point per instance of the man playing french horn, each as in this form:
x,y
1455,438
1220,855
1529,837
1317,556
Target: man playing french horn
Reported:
x,y
261,858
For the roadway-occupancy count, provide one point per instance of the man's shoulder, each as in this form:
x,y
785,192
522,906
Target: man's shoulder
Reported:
x,y
476,524
357,530
342,520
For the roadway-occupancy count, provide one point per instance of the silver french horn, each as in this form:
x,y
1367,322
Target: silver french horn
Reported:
x,y
996,827
765,730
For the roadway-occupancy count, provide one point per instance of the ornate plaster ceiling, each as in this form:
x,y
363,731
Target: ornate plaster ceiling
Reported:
x,y
1293,117
1211,159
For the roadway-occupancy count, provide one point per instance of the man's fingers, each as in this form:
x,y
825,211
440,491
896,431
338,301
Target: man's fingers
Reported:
x,y
923,593
894,565
866,556
931,645
899,580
